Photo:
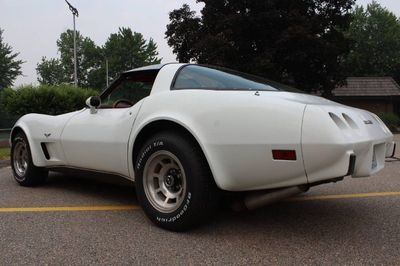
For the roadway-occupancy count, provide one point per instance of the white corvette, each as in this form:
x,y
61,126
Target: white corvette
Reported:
x,y
186,133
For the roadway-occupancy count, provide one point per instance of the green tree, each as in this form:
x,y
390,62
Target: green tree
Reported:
x,y
10,67
87,53
59,71
182,33
127,49
300,43
375,51
51,71
124,50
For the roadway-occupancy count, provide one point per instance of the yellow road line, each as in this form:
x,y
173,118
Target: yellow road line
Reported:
x,y
346,196
135,207
71,209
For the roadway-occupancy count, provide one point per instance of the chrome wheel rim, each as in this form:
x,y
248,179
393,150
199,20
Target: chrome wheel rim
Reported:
x,y
20,159
164,181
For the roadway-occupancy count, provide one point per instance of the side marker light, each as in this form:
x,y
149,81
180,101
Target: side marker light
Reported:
x,y
287,155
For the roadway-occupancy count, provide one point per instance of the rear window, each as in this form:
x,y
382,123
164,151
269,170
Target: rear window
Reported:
x,y
214,78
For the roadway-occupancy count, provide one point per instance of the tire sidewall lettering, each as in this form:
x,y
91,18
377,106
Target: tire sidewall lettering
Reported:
x,y
149,148
180,211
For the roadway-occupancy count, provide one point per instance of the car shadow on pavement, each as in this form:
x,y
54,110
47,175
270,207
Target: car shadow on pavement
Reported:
x,y
102,186
307,220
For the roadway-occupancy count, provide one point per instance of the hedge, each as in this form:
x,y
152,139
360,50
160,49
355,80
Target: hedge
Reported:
x,y
44,99
391,120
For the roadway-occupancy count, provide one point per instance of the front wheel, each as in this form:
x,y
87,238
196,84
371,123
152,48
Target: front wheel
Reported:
x,y
25,172
174,182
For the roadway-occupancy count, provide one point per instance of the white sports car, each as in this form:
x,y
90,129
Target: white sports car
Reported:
x,y
186,133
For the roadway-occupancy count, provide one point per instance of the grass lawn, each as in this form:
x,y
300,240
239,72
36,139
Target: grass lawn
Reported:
x,y
4,153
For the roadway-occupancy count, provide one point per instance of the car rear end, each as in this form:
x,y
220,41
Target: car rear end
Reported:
x,y
338,141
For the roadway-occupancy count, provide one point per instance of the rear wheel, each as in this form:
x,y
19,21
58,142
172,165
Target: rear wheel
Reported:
x,y
25,172
174,182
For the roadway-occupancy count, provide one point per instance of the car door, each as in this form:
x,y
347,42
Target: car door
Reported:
x,y
99,140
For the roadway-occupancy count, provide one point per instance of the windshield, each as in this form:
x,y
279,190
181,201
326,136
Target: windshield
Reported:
x,y
215,78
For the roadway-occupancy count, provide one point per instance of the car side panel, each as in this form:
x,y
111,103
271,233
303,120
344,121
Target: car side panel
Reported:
x,y
237,132
99,141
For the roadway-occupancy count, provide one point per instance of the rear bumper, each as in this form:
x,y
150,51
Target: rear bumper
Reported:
x,y
370,157
343,133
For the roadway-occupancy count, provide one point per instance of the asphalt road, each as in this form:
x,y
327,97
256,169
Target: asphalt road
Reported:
x,y
86,220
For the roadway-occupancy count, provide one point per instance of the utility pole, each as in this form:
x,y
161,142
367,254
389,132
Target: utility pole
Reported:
x,y
74,14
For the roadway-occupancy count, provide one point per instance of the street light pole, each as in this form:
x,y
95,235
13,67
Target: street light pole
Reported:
x,y
74,14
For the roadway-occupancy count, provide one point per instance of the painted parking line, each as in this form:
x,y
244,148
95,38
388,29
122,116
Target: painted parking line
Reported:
x,y
347,196
72,208
136,207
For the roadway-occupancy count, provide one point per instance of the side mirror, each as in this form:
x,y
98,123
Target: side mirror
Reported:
x,y
93,102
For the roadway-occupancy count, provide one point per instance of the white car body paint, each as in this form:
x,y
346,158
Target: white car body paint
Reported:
x,y
99,141
35,126
237,131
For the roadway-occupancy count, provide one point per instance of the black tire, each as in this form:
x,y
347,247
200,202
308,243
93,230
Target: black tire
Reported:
x,y
31,175
200,199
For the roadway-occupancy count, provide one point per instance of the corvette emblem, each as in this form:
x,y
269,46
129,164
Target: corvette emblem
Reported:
x,y
47,135
368,122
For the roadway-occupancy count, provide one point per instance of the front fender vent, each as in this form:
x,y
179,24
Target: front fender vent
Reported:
x,y
45,151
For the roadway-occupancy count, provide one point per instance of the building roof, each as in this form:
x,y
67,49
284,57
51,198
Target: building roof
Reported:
x,y
368,86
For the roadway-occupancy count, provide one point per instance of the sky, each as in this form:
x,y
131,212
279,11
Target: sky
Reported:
x,y
32,27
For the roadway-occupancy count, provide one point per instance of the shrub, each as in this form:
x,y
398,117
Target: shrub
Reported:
x,y
44,99
391,120
7,120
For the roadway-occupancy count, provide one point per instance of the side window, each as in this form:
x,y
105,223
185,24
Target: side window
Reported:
x,y
194,77
201,77
128,91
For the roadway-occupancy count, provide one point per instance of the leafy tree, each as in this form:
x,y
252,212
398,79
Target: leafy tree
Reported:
x,y
87,56
51,71
300,43
182,33
10,67
58,71
375,32
126,50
